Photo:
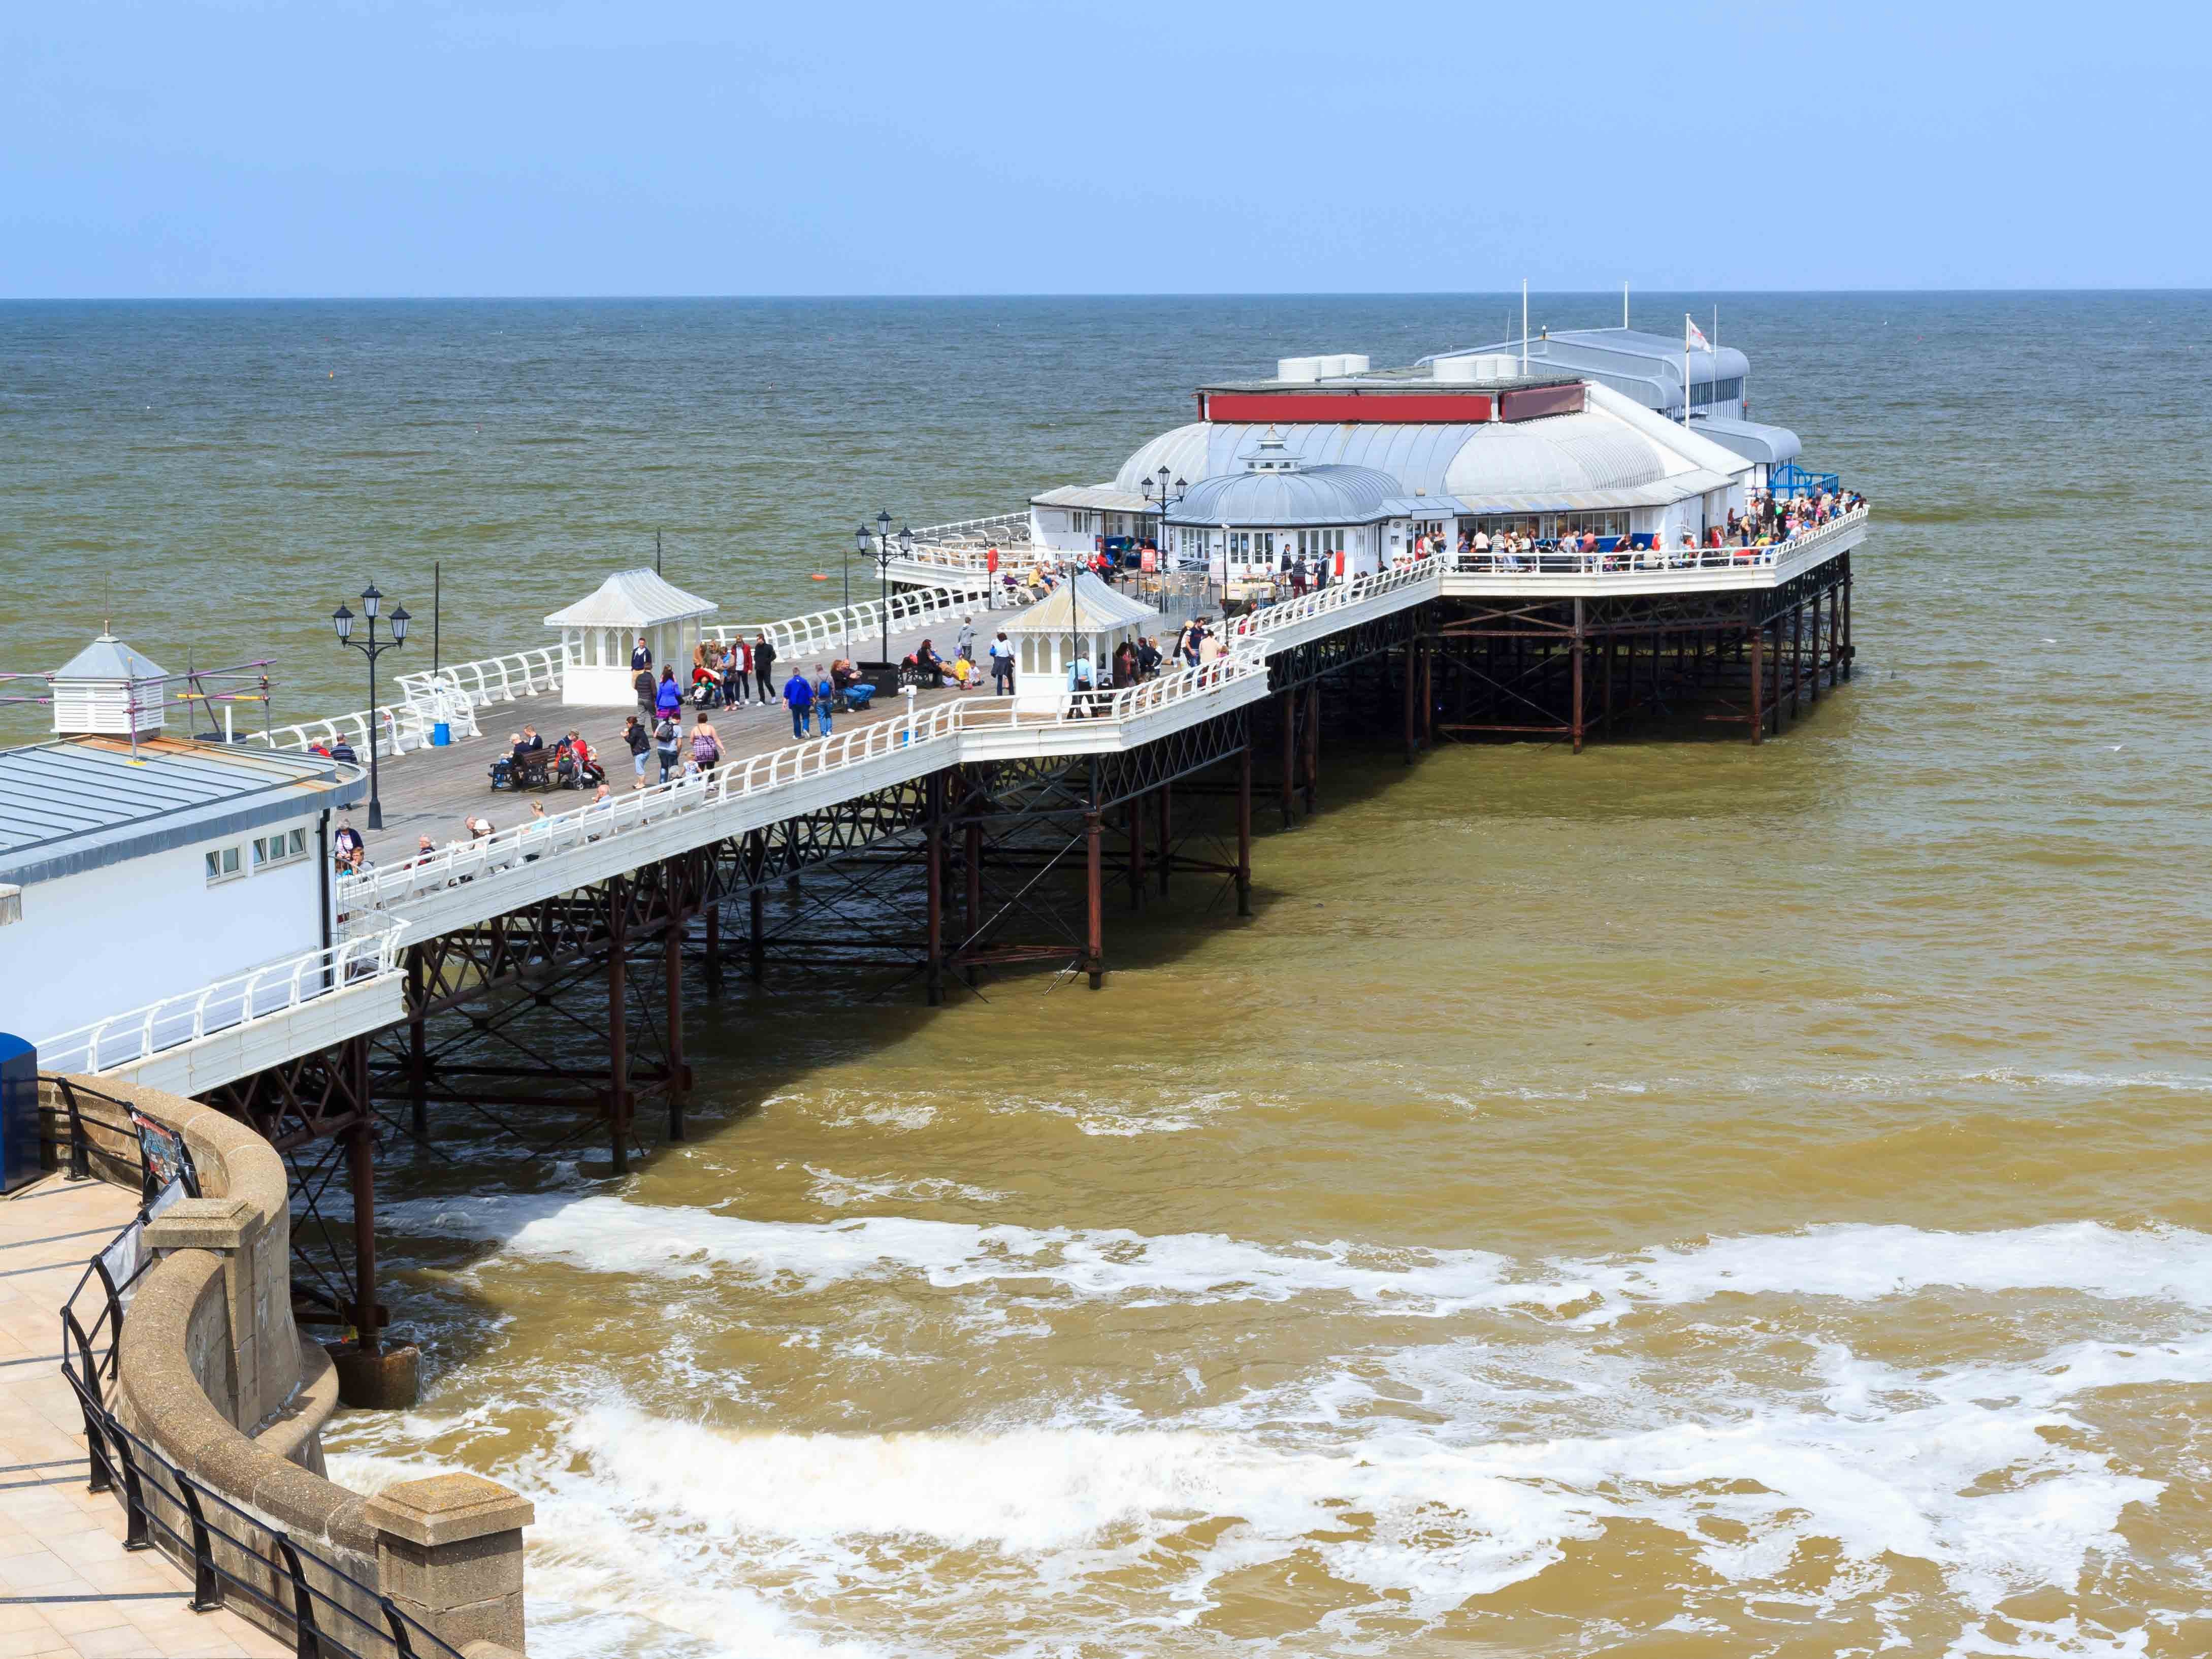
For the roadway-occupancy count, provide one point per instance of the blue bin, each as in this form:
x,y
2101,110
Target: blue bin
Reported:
x,y
441,734
19,1114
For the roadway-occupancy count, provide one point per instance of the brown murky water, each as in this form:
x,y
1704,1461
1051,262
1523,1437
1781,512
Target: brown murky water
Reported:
x,y
1677,1201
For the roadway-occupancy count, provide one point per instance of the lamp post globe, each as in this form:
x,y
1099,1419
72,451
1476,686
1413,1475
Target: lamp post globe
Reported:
x,y
370,600
400,621
342,620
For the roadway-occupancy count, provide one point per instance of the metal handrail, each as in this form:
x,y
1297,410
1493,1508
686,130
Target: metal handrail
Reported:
x,y
242,999
1650,561
844,625
488,680
125,1462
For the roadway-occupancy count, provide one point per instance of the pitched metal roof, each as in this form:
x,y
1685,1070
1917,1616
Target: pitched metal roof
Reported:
x,y
1769,445
1081,600
79,804
1104,498
633,598
108,658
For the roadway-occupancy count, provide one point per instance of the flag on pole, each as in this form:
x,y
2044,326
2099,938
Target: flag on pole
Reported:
x,y
1693,338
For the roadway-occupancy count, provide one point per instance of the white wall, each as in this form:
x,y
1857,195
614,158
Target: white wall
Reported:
x,y
115,937
1048,527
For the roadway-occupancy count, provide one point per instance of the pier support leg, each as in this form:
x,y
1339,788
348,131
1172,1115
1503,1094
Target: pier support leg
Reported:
x,y
1313,748
1757,685
714,919
1135,810
1095,956
1848,653
756,904
418,1047
617,1027
1244,830
1575,694
1428,696
1288,702
1412,693
672,977
933,864
1814,688
1167,831
361,1170
973,848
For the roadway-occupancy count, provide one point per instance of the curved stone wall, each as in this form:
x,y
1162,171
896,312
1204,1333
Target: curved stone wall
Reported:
x,y
212,1373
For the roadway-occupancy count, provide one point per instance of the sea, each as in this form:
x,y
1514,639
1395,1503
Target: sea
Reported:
x,y
1684,1198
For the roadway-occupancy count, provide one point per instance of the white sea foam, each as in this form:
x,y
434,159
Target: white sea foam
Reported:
x,y
1983,1472
1853,1262
838,1190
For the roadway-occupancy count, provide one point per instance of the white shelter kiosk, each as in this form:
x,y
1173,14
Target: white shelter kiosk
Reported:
x,y
598,634
1083,616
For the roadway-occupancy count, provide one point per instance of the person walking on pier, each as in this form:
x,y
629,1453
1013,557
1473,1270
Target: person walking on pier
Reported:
x,y
641,659
737,673
966,639
666,740
1002,666
706,745
764,667
642,685
668,697
798,697
638,740
825,696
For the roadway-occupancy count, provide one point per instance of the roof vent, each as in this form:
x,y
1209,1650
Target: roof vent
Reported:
x,y
1455,369
107,690
1298,368
1269,454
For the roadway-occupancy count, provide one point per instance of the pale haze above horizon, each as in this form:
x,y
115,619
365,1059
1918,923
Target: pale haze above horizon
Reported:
x,y
243,149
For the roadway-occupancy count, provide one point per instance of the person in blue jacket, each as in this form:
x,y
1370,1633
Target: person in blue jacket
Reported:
x,y
798,697
668,699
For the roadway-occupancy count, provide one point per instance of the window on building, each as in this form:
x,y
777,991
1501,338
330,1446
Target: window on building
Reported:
x,y
225,864
285,846
1716,391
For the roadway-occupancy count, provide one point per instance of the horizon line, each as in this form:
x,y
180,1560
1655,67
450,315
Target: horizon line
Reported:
x,y
1210,294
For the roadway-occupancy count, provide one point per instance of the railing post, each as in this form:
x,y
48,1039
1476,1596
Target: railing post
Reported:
x,y
306,1640
207,1585
80,1148
135,1530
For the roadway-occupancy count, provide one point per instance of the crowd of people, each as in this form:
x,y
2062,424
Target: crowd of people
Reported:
x,y
1766,521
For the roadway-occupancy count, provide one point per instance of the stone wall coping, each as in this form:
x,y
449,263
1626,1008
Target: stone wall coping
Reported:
x,y
201,1224
448,1509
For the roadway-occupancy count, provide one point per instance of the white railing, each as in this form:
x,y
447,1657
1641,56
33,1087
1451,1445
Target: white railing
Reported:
x,y
245,998
1012,526
1651,561
859,623
398,727
1338,596
489,680
1096,715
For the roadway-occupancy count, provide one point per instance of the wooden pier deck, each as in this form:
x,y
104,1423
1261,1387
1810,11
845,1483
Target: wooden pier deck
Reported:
x,y
430,792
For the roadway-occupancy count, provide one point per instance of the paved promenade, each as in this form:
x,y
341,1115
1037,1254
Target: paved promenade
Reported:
x,y
67,1587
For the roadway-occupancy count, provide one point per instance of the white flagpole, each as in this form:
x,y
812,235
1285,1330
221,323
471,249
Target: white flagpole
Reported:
x,y
1524,326
1685,368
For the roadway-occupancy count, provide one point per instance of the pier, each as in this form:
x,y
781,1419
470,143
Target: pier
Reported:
x,y
988,836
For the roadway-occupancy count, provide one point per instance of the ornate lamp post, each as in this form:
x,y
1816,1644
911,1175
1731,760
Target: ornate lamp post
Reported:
x,y
1164,496
883,555
372,602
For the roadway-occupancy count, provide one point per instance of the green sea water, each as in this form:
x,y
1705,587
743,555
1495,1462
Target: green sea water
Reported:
x,y
1679,1200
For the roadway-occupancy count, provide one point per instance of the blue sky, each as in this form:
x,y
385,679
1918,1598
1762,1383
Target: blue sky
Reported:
x,y
176,149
